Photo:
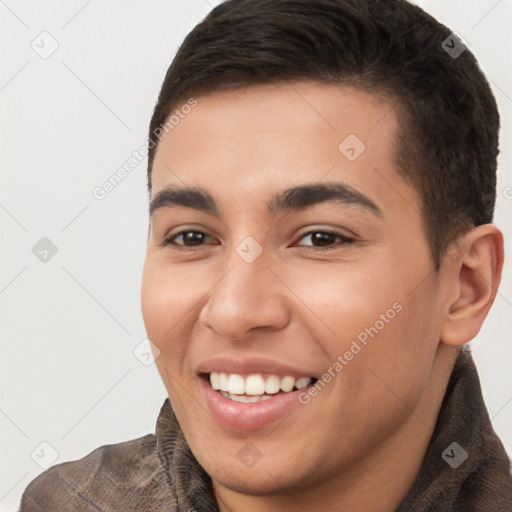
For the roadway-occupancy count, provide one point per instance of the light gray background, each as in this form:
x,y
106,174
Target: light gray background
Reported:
x,y
69,326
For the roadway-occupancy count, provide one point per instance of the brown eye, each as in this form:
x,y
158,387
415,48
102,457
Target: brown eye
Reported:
x,y
325,239
188,238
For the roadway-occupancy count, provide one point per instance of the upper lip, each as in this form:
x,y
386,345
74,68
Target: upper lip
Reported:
x,y
251,366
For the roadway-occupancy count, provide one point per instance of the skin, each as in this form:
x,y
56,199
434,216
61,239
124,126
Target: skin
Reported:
x,y
303,305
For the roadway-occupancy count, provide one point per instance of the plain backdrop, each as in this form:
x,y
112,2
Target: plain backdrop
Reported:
x,y
78,83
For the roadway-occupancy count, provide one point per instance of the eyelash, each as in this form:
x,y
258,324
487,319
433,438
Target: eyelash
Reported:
x,y
344,239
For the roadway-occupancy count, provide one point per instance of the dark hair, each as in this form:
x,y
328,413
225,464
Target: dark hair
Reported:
x,y
448,142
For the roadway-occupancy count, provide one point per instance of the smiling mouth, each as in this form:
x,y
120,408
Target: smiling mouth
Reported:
x,y
255,387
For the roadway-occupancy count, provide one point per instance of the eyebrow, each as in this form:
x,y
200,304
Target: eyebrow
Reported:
x,y
304,196
189,197
292,199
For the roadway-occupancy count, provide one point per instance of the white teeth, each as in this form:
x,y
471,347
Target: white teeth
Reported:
x,y
244,398
272,385
302,382
215,381
236,384
287,384
223,381
255,385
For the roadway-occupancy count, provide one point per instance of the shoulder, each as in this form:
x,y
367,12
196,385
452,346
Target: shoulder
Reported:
x,y
125,476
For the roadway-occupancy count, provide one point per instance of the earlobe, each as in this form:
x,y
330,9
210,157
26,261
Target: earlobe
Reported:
x,y
474,271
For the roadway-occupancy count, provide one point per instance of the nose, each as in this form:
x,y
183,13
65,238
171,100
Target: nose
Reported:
x,y
248,298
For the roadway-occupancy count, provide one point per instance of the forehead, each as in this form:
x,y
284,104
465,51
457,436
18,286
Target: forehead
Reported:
x,y
266,137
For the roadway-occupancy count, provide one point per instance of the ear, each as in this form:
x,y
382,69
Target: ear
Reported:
x,y
474,263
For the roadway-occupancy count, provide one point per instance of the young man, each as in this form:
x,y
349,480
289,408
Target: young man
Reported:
x,y
322,179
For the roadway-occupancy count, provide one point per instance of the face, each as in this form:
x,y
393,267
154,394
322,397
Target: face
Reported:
x,y
299,260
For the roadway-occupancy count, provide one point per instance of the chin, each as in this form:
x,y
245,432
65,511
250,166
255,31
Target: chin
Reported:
x,y
262,482
268,476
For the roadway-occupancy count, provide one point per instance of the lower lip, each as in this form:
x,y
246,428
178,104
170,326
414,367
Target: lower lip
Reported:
x,y
249,416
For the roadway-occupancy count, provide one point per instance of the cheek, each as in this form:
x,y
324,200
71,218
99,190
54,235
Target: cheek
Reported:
x,y
171,301
344,300
167,302
371,316
167,298
162,310
155,305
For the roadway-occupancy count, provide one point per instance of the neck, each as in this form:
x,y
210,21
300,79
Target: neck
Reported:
x,y
377,483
